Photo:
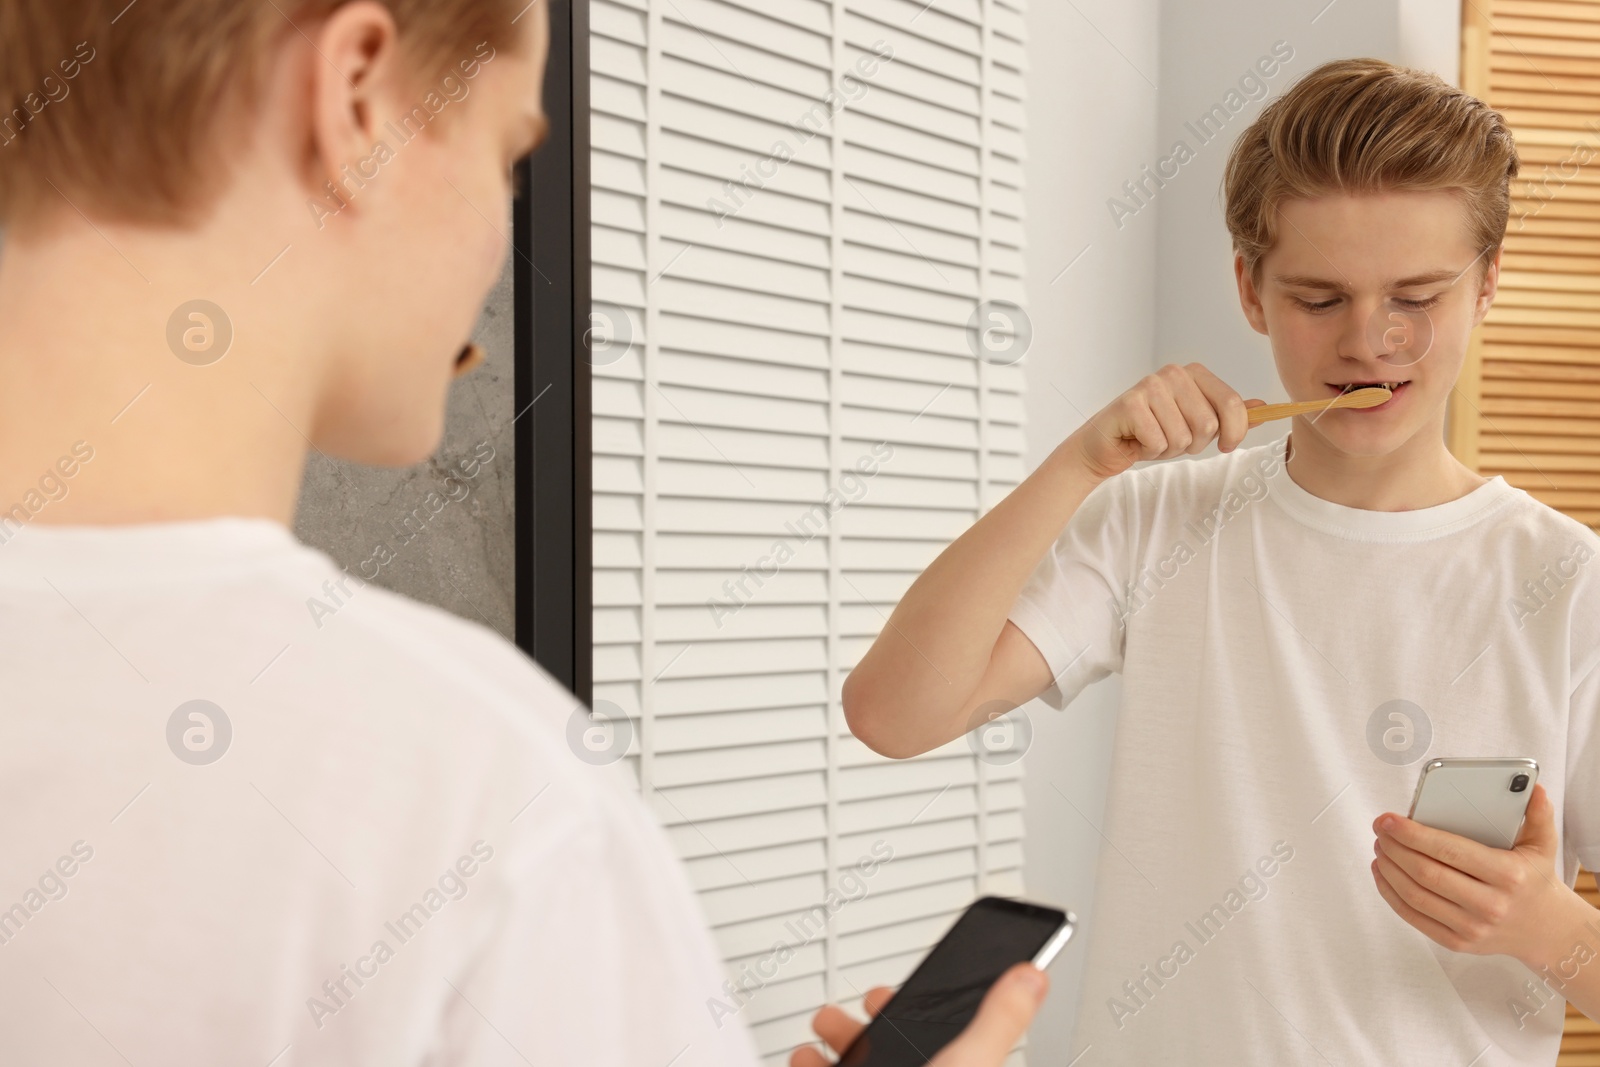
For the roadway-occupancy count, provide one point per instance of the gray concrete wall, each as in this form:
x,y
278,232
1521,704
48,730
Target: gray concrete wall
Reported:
x,y
452,539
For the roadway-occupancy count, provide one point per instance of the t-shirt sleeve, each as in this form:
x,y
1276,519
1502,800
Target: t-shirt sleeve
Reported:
x,y
1069,608
600,956
1580,814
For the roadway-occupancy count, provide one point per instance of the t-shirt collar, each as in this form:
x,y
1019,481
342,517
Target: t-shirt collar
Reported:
x,y
1359,524
143,550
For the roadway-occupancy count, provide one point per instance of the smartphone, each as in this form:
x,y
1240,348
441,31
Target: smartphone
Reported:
x,y
942,995
1484,799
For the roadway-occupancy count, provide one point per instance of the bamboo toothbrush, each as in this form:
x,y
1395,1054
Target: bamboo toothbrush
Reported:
x,y
1369,396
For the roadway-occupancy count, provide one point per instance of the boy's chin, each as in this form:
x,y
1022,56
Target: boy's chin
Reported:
x,y
1367,440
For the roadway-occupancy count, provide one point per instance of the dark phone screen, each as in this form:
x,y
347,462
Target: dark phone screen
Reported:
x,y
942,995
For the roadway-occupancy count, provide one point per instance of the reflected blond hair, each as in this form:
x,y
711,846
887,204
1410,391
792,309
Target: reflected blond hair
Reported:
x,y
1364,126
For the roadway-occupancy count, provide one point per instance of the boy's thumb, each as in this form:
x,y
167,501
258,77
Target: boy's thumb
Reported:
x,y
1003,1017
1539,827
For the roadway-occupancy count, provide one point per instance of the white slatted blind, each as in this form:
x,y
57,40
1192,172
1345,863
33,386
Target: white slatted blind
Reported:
x,y
782,328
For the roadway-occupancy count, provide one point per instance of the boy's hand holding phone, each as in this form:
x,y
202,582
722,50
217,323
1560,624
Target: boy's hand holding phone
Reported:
x,y
1002,1019
1470,897
1174,411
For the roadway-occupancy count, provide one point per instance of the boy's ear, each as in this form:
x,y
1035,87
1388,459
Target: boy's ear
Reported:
x,y
357,62
1249,299
1489,287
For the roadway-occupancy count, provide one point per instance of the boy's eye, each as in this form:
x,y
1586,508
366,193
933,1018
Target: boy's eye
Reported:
x,y
1408,305
1322,305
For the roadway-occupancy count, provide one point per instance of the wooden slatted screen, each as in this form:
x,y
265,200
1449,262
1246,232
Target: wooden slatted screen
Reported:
x,y
1528,403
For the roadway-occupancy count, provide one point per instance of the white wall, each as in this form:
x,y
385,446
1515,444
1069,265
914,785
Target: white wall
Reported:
x,y
1092,124
1156,289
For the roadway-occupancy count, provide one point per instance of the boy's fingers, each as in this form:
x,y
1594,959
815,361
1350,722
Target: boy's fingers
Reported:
x,y
1432,927
1174,427
1482,862
1002,1019
1231,410
808,1056
1200,416
1423,900
875,999
1152,440
1432,875
835,1027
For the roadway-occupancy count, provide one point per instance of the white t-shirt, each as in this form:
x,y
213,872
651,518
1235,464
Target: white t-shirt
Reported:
x,y
1264,636
396,860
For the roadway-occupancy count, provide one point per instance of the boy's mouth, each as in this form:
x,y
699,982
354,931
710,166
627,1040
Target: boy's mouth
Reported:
x,y
1394,387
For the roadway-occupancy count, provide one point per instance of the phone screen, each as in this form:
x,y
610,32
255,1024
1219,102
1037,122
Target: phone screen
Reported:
x,y
942,995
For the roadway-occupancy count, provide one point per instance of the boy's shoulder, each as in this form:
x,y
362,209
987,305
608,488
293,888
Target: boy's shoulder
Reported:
x,y
1531,517
475,693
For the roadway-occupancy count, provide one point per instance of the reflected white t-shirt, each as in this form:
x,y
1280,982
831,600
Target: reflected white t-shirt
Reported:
x,y
1287,664
396,860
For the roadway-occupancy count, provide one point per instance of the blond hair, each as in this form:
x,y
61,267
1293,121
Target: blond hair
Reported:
x,y
131,111
1364,126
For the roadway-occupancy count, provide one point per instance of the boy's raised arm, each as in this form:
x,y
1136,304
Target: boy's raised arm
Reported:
x,y
948,649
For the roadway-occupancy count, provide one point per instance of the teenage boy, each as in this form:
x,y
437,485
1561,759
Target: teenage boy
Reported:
x,y
1297,626
236,832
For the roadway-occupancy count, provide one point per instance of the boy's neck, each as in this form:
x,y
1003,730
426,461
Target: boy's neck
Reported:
x,y
1420,474
84,357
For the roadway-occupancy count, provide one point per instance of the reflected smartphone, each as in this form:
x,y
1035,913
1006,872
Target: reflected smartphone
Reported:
x,y
942,995
1484,799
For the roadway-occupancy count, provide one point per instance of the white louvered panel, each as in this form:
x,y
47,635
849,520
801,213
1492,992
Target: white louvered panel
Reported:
x,y
619,280
746,306
699,407
932,247
801,177
687,733
907,267
758,378
709,552
733,273
617,173
862,31
707,229
748,831
727,658
810,15
798,430
905,205
953,23
734,90
712,124
910,90
694,623
759,27
723,481
907,143
687,334
757,66
912,398
884,361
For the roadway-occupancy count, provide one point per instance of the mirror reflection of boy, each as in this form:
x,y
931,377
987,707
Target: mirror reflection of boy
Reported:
x,y
1297,625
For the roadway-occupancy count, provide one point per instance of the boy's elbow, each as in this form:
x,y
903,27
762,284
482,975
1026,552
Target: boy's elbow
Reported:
x,y
864,716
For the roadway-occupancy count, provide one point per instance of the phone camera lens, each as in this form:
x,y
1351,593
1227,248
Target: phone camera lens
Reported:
x,y
1519,783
